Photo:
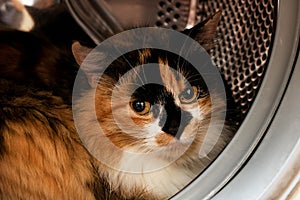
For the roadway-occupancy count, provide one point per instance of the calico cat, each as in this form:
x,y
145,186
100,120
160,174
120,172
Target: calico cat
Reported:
x,y
167,119
42,156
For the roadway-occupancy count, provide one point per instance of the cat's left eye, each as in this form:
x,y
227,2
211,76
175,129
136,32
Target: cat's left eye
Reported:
x,y
189,95
140,107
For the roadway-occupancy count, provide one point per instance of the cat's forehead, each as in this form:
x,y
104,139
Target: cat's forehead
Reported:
x,y
173,69
156,66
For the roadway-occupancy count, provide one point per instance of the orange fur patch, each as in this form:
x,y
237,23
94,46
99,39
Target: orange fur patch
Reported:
x,y
169,77
141,121
164,139
106,119
144,55
44,158
205,105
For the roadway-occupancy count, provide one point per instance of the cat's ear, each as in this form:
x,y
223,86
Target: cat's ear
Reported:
x,y
205,31
80,52
90,67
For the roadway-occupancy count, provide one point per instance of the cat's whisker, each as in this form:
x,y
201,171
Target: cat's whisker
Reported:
x,y
143,71
135,84
194,78
134,70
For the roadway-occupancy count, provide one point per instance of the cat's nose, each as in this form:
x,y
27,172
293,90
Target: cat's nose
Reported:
x,y
176,121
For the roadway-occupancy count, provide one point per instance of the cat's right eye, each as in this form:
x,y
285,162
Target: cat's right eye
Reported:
x,y
189,95
140,107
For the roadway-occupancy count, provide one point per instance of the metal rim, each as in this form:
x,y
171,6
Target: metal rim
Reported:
x,y
224,170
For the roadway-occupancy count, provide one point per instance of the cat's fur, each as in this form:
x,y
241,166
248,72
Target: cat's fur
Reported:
x,y
41,155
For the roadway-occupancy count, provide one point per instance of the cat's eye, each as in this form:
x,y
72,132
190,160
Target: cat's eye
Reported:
x,y
140,107
189,95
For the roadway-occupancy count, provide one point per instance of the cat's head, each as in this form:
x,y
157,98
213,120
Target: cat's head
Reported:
x,y
151,99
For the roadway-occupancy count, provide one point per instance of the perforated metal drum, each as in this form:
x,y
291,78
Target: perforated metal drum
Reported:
x,y
243,45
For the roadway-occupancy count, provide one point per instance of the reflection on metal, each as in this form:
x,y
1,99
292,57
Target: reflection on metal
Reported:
x,y
94,17
192,14
162,13
39,3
